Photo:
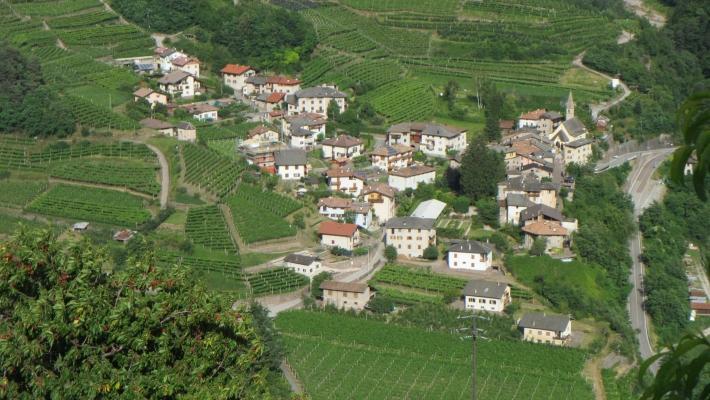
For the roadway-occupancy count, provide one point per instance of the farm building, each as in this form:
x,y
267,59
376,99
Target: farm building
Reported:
x,y
483,295
470,255
335,234
410,235
345,295
410,177
305,264
546,328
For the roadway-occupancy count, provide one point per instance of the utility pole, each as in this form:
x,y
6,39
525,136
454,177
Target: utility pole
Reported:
x,y
474,348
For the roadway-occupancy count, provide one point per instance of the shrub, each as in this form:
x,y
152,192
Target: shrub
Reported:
x,y
381,305
500,242
431,253
391,254
339,251
460,204
538,247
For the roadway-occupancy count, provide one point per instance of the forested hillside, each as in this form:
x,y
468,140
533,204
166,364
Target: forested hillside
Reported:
x,y
26,102
251,32
664,65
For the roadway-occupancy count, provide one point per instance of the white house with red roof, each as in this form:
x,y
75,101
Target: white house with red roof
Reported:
x,y
268,102
235,75
335,234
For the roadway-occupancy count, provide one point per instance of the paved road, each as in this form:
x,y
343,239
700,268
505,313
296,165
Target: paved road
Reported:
x,y
164,175
598,108
643,191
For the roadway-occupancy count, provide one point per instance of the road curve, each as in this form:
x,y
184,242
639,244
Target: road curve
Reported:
x,y
643,191
598,108
164,175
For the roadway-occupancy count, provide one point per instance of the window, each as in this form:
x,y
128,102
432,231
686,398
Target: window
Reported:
x,y
345,294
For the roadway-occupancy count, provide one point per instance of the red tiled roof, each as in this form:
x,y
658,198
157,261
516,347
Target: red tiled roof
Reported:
x,y
334,202
276,97
283,80
381,188
276,113
182,61
337,229
533,115
545,228
235,69
699,306
506,124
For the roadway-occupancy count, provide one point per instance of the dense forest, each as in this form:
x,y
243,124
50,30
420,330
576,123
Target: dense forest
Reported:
x,y
26,103
251,32
667,229
664,65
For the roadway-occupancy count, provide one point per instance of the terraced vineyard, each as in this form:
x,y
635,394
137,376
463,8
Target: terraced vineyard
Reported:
x,y
407,285
208,170
53,8
219,132
18,193
90,204
403,101
338,356
135,175
275,281
206,226
258,215
231,268
23,156
86,19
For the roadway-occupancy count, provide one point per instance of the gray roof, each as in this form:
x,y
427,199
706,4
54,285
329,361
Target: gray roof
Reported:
x,y
344,286
552,115
575,127
488,289
470,246
579,143
548,322
541,209
256,80
186,126
153,123
517,200
290,157
320,92
442,131
173,77
300,259
410,223
529,183
300,131
403,127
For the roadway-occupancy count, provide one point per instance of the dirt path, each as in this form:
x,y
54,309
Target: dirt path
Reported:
x,y
100,186
227,214
290,375
654,17
603,106
164,175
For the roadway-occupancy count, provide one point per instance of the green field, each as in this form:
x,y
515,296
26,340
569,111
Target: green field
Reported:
x,y
259,215
209,170
206,226
275,281
410,285
338,356
90,204
17,193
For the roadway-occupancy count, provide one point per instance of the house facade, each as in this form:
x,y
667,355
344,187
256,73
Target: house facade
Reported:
x,y
481,295
203,112
546,328
291,164
410,235
150,96
268,102
382,199
337,208
335,234
411,177
345,180
179,84
343,146
345,295
163,127
556,236
470,255
262,133
188,64
578,151
388,158
439,140
316,100
186,132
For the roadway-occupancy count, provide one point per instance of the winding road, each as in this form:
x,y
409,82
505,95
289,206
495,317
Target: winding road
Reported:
x,y
596,109
643,190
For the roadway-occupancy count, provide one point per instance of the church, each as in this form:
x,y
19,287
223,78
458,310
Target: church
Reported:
x,y
571,137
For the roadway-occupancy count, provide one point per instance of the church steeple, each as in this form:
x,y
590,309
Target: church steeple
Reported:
x,y
569,114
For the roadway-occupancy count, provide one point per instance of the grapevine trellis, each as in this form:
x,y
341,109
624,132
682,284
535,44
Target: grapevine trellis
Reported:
x,y
206,226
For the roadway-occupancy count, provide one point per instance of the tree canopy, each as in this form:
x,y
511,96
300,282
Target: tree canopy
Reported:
x,y
481,170
70,330
26,103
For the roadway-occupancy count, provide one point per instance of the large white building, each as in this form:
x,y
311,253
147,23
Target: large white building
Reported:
x,y
179,83
410,235
388,158
480,295
411,177
546,328
315,100
439,140
169,60
470,255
